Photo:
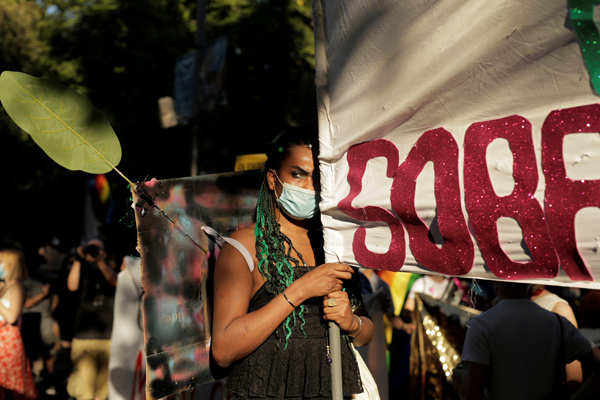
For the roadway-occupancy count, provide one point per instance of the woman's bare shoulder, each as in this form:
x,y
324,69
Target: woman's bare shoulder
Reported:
x,y
246,237
232,268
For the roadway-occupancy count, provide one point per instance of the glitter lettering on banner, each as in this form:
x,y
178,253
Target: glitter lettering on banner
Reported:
x,y
485,207
455,257
357,159
564,197
548,232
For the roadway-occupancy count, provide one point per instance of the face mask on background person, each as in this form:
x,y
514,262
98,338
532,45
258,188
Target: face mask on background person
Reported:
x,y
2,272
297,202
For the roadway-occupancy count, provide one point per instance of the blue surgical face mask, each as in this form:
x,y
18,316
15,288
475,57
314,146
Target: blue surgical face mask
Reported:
x,y
2,271
297,202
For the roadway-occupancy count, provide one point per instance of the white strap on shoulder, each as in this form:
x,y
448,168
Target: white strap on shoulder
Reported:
x,y
213,234
219,239
243,251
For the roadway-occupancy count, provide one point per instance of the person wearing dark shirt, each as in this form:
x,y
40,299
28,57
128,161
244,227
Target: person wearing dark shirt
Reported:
x,y
65,305
518,342
94,277
378,301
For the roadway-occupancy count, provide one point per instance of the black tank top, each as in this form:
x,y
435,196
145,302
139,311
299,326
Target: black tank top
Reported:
x,y
302,370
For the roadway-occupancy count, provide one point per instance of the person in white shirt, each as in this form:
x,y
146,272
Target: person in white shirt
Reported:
x,y
436,286
127,362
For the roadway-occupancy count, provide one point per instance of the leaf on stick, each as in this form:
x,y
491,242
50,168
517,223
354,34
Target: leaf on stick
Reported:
x,y
62,122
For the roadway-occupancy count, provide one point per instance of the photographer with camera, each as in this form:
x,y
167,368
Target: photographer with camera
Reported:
x,y
93,275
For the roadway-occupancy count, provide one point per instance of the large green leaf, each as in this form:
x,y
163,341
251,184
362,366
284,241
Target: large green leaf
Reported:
x,y
63,123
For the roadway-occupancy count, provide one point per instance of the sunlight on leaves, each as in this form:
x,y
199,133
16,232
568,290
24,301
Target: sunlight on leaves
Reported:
x,y
63,123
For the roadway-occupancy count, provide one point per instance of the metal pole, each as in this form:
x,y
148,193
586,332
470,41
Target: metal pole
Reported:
x,y
335,342
323,105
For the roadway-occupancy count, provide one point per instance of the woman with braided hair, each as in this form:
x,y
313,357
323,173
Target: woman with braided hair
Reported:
x,y
270,322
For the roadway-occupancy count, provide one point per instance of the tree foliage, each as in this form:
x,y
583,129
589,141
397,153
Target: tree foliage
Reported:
x,y
122,54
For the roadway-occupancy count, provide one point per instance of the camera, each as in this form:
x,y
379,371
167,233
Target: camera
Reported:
x,y
92,250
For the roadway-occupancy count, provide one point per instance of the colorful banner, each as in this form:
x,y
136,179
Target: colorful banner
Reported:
x,y
177,258
459,138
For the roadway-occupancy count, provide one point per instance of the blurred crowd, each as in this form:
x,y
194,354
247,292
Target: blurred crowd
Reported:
x,y
391,300
59,309
70,321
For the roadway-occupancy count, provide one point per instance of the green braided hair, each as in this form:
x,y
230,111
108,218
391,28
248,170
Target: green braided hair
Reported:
x,y
275,263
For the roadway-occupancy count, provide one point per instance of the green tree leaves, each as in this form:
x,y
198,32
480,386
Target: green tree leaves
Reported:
x,y
20,40
63,123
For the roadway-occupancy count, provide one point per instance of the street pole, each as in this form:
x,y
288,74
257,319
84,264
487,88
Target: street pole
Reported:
x,y
323,105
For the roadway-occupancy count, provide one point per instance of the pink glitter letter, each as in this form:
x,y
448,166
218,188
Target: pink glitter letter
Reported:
x,y
564,196
358,156
485,207
455,257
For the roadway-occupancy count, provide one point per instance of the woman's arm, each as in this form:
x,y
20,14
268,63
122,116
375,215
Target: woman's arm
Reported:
x,y
14,295
410,304
55,301
106,268
74,276
400,324
236,333
33,300
573,369
417,287
363,333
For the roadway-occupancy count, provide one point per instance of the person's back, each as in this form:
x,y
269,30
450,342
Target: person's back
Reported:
x,y
378,302
126,368
95,312
92,275
523,348
519,342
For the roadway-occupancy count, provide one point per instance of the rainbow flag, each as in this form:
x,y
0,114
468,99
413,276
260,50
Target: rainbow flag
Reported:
x,y
400,284
102,188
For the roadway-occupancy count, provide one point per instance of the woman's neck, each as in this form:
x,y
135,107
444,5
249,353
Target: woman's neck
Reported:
x,y
302,233
291,226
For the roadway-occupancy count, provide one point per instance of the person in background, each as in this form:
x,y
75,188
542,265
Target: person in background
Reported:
x,y
38,325
551,302
54,253
379,304
16,378
517,350
399,346
437,286
93,275
65,306
588,311
127,360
